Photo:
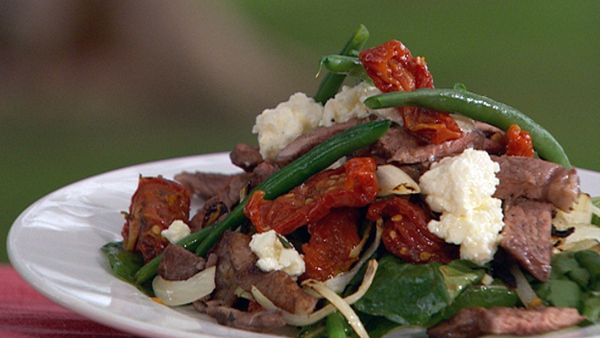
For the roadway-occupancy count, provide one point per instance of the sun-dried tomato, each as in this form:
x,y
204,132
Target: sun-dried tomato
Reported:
x,y
405,232
435,127
518,142
332,240
156,203
392,67
352,185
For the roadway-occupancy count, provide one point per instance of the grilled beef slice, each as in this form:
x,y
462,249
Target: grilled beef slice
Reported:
x,y
475,322
237,268
221,192
306,142
400,147
245,156
253,321
526,235
536,179
179,264
204,185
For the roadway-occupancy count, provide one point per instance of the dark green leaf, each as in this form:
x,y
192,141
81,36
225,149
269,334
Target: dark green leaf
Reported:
x,y
590,260
458,276
377,326
580,276
563,263
591,309
561,293
123,263
405,293
479,296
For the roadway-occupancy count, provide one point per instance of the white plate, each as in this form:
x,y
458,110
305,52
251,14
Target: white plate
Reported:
x,y
55,245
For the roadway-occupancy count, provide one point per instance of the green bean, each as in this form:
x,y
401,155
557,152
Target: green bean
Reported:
x,y
479,108
317,159
331,83
341,64
189,242
335,323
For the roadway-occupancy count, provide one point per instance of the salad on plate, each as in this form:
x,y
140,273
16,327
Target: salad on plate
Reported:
x,y
379,204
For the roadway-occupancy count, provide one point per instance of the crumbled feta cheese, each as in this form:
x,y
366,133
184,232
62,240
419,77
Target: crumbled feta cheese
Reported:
x,y
176,231
272,255
277,127
348,104
461,188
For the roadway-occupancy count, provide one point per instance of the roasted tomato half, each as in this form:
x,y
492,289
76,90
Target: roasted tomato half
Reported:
x,y
156,203
392,68
518,142
352,185
405,232
332,240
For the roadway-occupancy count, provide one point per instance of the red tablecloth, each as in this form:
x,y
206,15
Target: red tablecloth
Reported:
x,y
26,313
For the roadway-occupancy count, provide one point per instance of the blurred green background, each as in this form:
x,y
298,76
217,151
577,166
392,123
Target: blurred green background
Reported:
x,y
90,86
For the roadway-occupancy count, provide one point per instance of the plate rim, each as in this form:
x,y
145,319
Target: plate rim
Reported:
x,y
80,306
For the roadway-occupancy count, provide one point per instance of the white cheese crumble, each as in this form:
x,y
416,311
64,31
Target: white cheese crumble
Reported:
x,y
277,127
176,231
461,188
348,104
273,256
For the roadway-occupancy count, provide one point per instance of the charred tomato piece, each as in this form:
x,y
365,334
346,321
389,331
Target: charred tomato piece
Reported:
x,y
156,203
392,68
405,232
352,185
332,240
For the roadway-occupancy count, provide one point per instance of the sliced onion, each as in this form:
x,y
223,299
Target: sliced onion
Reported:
x,y
394,181
580,213
344,308
303,320
584,237
175,293
338,283
464,123
524,289
584,244
595,210
357,249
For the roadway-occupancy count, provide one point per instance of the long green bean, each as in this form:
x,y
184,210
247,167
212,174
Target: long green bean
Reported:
x,y
479,108
341,64
331,83
335,325
317,159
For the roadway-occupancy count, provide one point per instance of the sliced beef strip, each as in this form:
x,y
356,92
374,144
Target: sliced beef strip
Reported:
x,y
221,202
475,322
211,210
527,235
234,258
179,264
253,321
262,172
398,146
225,199
536,179
306,142
245,156
204,185
237,268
